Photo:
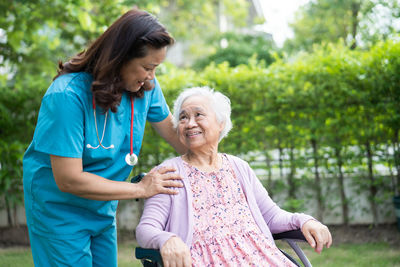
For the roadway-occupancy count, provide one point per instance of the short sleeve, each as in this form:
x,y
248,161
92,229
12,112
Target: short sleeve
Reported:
x,y
59,130
158,109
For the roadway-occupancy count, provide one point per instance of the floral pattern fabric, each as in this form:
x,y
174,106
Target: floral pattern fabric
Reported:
x,y
225,233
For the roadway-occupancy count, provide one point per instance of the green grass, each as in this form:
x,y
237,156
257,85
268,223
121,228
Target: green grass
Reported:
x,y
10,257
369,254
22,257
126,255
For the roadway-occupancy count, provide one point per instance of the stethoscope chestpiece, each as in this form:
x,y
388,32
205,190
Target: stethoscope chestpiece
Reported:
x,y
131,159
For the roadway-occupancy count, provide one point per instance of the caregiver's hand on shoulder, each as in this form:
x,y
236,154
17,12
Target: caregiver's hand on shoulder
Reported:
x,y
176,253
317,235
160,181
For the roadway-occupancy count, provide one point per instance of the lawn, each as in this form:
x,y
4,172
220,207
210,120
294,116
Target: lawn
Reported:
x,y
368,254
22,257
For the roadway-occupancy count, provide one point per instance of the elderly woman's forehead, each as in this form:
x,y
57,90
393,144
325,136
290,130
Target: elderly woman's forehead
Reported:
x,y
200,100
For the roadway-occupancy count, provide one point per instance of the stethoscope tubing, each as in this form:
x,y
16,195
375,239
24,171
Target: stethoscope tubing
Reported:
x,y
130,158
97,132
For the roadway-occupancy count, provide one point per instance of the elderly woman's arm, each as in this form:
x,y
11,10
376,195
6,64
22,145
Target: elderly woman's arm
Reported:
x,y
279,220
150,230
150,233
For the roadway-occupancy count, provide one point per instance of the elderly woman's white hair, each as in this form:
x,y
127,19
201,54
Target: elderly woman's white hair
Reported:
x,y
218,102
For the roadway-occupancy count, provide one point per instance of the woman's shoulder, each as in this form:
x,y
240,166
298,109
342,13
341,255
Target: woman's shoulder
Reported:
x,y
171,162
236,159
77,83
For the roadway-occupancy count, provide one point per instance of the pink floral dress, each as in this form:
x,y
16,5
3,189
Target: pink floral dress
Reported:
x,y
225,233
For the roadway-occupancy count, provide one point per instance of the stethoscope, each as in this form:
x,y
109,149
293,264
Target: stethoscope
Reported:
x,y
131,159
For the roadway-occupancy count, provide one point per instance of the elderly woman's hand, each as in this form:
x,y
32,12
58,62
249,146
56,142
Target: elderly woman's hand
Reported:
x,y
176,253
317,235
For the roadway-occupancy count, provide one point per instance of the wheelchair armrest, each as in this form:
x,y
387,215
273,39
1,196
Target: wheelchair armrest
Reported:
x,y
148,254
294,234
291,237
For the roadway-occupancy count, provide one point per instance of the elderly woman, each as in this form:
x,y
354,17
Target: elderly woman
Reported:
x,y
222,216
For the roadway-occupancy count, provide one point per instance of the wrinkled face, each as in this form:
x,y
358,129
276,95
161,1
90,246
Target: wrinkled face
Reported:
x,y
198,127
138,70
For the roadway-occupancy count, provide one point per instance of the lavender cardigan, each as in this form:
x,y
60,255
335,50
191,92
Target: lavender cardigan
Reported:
x,y
165,216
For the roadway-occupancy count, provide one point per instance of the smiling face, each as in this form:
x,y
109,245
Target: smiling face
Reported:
x,y
138,70
198,127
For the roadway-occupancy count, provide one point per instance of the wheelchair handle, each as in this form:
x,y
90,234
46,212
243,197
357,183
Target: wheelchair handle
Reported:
x,y
138,178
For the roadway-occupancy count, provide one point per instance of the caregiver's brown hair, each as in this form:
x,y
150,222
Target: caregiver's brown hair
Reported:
x,y
127,38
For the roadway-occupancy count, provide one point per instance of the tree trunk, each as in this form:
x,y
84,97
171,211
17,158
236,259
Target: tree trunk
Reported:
x,y
318,190
291,182
157,154
390,166
343,198
396,157
280,161
372,187
355,9
15,216
8,209
269,169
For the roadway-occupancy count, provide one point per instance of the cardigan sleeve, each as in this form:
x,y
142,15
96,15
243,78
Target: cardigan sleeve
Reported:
x,y
277,219
150,230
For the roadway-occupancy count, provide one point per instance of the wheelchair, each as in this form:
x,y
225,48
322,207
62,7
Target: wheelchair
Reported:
x,y
152,257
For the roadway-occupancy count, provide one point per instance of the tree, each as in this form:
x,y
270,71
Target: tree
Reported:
x,y
17,120
240,49
47,31
353,21
382,74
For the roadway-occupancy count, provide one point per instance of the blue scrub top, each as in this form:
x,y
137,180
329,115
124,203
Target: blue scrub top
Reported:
x,y
65,126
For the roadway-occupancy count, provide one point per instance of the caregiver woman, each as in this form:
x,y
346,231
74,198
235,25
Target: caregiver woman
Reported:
x,y
88,137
